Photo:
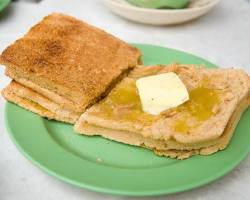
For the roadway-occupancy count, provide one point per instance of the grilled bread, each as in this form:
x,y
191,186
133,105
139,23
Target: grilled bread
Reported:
x,y
37,103
73,61
202,125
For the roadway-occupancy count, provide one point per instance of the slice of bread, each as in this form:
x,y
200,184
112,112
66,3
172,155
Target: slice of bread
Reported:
x,y
38,103
70,58
135,139
203,125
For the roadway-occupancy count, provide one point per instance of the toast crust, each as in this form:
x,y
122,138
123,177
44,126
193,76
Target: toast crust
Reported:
x,y
37,103
64,102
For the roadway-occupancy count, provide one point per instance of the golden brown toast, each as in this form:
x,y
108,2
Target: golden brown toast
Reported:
x,y
70,58
202,125
38,103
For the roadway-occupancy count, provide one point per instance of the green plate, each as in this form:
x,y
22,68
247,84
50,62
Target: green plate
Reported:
x,y
4,4
105,166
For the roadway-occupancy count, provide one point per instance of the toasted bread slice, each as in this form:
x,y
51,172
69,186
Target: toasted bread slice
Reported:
x,y
203,125
135,139
37,103
69,58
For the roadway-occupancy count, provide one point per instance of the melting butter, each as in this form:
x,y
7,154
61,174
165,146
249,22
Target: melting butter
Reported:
x,y
123,103
198,109
161,92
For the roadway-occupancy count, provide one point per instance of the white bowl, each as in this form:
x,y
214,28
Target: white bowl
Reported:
x,y
160,16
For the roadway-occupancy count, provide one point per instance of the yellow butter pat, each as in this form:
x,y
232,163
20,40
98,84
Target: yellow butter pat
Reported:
x,y
161,92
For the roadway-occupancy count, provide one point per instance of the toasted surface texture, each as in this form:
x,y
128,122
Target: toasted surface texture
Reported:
x,y
69,57
203,125
37,103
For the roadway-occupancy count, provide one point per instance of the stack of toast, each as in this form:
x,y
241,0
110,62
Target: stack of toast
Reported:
x,y
67,70
62,66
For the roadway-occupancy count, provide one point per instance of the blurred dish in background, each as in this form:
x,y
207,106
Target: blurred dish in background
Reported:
x,y
160,4
4,4
195,9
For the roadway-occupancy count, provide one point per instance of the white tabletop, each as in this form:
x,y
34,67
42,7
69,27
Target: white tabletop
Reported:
x,y
222,36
